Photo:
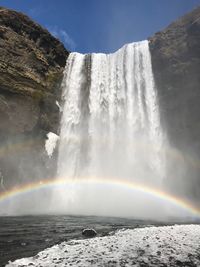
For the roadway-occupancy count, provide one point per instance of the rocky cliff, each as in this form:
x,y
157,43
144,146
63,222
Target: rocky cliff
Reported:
x,y
31,66
176,64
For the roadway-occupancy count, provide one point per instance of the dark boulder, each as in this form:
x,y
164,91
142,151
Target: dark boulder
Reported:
x,y
89,232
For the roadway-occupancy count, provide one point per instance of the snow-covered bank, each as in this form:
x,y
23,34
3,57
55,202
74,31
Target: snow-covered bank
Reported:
x,y
151,246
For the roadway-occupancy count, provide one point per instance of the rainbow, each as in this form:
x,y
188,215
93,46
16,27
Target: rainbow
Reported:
x,y
156,193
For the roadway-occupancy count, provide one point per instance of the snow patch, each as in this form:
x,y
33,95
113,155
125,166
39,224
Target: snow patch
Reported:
x,y
151,246
59,106
50,143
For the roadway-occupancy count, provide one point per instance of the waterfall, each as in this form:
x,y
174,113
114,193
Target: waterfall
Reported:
x,y
110,128
110,124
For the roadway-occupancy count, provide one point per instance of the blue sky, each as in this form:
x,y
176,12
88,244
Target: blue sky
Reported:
x,y
102,25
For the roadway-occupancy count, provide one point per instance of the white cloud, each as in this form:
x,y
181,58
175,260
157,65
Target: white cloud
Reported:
x,y
63,36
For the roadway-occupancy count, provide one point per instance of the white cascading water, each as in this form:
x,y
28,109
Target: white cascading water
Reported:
x,y
110,124
110,127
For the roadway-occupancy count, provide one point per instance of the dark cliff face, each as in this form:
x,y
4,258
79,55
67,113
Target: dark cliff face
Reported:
x,y
176,64
31,67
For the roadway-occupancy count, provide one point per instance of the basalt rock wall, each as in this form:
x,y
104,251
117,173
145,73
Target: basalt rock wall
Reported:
x,y
31,67
176,63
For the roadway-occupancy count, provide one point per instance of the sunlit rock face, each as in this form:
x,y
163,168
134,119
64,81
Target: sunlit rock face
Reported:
x,y
31,66
176,64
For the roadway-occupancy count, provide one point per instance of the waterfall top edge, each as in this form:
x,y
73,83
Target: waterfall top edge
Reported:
x,y
118,50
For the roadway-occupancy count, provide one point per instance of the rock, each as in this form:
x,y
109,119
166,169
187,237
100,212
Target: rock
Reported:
x,y
176,64
89,232
31,66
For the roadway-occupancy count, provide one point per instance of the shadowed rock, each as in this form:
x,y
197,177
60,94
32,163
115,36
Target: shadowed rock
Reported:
x,y
176,64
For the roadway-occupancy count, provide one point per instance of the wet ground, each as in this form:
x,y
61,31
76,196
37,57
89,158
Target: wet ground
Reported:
x,y
25,236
